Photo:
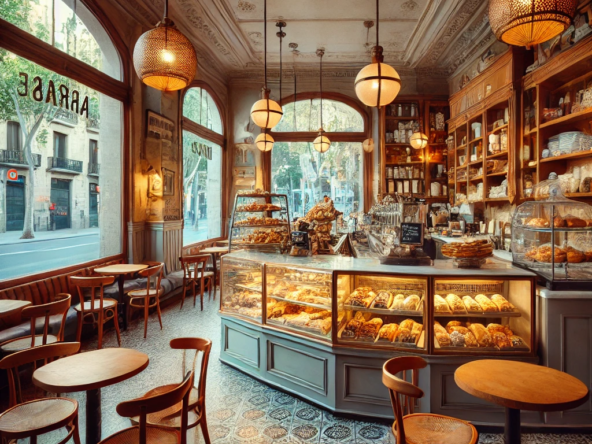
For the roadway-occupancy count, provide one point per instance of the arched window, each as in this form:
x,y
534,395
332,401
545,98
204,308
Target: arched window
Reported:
x,y
306,175
203,138
62,109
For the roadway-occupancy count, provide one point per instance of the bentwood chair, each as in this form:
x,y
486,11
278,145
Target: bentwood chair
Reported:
x,y
33,418
59,306
150,297
419,428
194,273
144,433
171,418
103,308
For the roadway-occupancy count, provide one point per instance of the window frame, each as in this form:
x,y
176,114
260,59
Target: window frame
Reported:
x,y
198,130
11,126
27,46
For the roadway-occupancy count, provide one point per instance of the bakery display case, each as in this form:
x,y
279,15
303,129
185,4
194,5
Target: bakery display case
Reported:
x,y
382,311
260,221
487,316
242,288
553,238
299,299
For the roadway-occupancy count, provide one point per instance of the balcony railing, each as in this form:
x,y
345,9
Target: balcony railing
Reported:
x,y
93,169
18,158
65,165
66,116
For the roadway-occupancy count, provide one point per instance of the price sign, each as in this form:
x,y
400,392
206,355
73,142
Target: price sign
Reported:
x,y
411,234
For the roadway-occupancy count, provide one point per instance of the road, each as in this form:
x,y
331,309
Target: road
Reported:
x,y
19,259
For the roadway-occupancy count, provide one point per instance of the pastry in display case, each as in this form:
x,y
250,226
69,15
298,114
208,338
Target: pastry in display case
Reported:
x,y
382,311
242,288
553,237
300,299
480,316
260,221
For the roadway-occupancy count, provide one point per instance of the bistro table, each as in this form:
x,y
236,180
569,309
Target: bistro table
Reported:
x,y
8,307
121,270
214,252
90,372
520,386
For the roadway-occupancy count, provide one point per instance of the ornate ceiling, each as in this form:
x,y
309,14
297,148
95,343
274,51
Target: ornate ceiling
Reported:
x,y
425,38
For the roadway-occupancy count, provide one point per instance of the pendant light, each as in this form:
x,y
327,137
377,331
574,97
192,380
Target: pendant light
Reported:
x,y
530,22
368,145
377,84
418,140
164,58
264,141
322,142
265,112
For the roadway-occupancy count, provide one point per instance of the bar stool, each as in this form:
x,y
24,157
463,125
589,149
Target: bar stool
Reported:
x,y
194,272
33,418
177,397
104,308
59,306
150,297
418,428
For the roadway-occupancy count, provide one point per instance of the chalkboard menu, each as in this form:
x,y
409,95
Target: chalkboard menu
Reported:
x,y
411,234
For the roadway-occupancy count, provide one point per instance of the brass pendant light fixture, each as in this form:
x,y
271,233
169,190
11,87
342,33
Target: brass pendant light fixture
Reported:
x,y
266,113
377,84
164,58
530,22
418,140
322,142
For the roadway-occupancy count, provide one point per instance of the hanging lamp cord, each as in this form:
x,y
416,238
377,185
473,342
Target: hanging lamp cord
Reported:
x,y
281,34
265,40
321,81
377,6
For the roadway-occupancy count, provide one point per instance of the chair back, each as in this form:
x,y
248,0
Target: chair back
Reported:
x,y
193,264
93,283
198,345
154,272
59,306
12,362
144,406
399,387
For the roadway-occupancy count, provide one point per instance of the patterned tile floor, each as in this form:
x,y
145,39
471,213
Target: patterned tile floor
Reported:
x,y
239,409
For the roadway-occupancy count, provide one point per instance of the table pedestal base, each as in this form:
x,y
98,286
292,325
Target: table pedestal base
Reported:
x,y
512,431
93,416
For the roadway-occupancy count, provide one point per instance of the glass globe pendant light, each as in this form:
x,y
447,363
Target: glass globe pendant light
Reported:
x,y
266,113
164,58
377,84
368,145
418,140
530,22
322,142
264,141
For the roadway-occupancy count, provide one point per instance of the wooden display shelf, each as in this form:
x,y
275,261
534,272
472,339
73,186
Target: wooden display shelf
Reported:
x,y
485,314
261,226
532,131
499,128
461,147
499,173
495,156
578,194
475,162
577,155
570,118
497,199
476,179
401,118
308,304
476,139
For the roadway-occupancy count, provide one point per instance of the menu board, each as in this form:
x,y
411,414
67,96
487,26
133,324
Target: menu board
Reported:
x,y
411,234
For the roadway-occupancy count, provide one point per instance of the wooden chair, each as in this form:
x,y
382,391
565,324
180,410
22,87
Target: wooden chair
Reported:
x,y
150,297
194,272
59,306
171,418
34,418
419,428
104,308
144,433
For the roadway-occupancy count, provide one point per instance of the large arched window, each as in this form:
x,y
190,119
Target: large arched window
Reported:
x,y
61,138
306,175
203,130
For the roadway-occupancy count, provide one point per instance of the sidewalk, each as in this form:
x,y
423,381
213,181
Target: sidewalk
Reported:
x,y
13,237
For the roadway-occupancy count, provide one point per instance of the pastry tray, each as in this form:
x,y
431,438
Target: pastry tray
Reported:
x,y
296,302
556,229
384,311
246,287
485,314
376,340
304,328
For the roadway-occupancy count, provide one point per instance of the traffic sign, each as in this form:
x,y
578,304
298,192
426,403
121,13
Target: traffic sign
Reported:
x,y
12,175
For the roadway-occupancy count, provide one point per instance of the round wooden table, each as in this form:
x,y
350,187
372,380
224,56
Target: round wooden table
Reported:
x,y
214,251
10,306
121,270
520,386
90,372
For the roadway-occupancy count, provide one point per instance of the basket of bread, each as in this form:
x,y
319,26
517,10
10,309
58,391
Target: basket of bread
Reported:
x,y
470,254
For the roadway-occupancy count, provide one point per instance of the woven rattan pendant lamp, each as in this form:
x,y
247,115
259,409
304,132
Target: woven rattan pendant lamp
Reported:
x,y
322,142
378,83
265,112
164,58
530,22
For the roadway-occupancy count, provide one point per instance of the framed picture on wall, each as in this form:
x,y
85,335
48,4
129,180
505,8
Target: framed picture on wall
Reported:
x,y
159,127
168,178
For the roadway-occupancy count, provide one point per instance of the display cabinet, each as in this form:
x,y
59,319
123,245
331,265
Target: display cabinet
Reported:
x,y
242,288
260,222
